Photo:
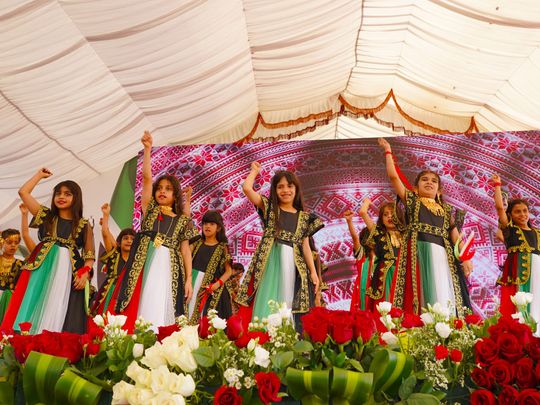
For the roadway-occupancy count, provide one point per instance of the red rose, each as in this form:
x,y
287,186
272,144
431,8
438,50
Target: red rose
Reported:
x,y
525,376
533,348
483,397
537,371
268,384
486,351
22,346
165,331
530,396
509,347
456,355
508,395
227,396
507,324
235,327
458,323
341,328
71,347
364,325
25,327
473,319
412,321
316,330
502,372
482,378
204,325
441,352
396,312
244,339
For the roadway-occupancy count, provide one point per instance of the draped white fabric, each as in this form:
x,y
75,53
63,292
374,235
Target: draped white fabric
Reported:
x,y
80,80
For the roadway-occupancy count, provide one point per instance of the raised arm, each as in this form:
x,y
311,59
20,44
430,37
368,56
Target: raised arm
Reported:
x,y
356,240
186,208
146,195
108,239
497,196
25,230
363,212
25,192
247,186
393,176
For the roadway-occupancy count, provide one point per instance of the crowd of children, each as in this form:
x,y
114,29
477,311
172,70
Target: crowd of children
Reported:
x,y
168,268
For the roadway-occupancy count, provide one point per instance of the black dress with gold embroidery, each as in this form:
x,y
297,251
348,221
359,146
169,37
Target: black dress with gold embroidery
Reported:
x,y
307,224
211,260
113,263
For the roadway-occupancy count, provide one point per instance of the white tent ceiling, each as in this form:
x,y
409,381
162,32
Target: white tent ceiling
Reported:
x,y
80,80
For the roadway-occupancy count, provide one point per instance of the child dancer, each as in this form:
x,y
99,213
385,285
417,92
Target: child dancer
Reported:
x,y
49,293
154,285
427,270
10,267
386,241
521,270
211,270
282,266
364,257
114,260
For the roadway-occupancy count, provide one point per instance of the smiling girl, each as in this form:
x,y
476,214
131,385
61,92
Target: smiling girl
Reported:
x,y
427,271
50,291
282,268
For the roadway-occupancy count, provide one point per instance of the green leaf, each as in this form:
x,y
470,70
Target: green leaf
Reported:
x,y
204,356
422,399
330,354
407,387
427,387
356,364
303,346
281,360
340,360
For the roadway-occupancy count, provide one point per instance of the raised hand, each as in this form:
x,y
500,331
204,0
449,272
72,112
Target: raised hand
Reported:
x,y
106,209
256,167
44,173
23,209
147,140
496,178
365,206
348,215
383,143
187,192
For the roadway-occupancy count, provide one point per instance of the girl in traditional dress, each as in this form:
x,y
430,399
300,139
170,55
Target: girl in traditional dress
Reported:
x,y
427,270
364,258
521,270
211,270
282,267
50,293
10,267
114,260
386,241
154,285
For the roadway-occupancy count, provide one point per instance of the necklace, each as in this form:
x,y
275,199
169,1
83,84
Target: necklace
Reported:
x,y
160,237
6,264
395,238
166,209
433,206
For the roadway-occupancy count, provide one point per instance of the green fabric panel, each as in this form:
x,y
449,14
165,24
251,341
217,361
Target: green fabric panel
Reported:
x,y
270,286
424,262
123,198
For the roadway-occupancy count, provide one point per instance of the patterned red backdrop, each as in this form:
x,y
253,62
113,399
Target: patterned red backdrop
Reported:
x,y
339,174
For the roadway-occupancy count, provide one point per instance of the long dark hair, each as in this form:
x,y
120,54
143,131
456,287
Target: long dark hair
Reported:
x,y
76,206
439,196
380,221
177,191
298,201
214,217
512,203
124,232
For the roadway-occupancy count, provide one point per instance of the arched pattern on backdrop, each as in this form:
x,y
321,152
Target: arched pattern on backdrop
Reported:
x,y
337,175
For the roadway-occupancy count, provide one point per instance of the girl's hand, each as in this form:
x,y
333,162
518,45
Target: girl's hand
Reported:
x,y
348,215
496,178
188,291
467,267
365,206
315,280
106,209
43,173
80,282
147,140
383,143
256,167
187,192
23,209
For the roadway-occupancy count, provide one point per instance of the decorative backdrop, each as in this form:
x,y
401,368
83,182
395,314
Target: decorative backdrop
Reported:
x,y
337,175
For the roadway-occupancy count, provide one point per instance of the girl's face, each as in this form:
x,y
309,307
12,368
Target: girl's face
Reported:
x,y
126,242
387,218
428,185
210,229
11,243
63,198
285,191
520,215
165,193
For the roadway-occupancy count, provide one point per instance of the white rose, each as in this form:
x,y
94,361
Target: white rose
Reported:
x,y
521,298
99,321
389,338
139,396
116,320
218,323
190,336
181,384
166,398
384,307
443,329
140,375
275,320
441,310
185,360
262,357
427,318
138,350
159,379
153,356
120,391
